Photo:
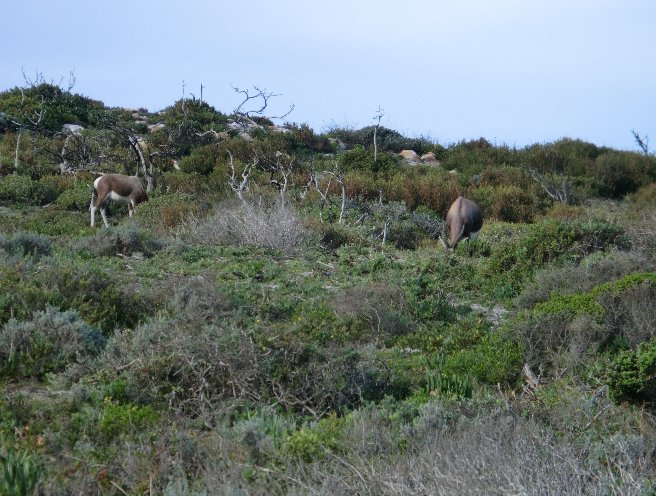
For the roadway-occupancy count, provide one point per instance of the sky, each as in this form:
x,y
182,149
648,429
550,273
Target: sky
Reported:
x,y
515,72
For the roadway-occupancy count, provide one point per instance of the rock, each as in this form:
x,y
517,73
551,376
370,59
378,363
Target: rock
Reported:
x,y
410,156
495,315
72,129
156,127
338,143
429,158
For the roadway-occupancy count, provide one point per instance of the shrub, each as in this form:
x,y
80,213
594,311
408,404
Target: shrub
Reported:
x,y
507,203
183,363
49,342
77,197
568,332
116,418
388,140
179,182
496,359
363,159
56,223
65,285
382,307
447,384
124,240
201,161
25,191
334,235
168,211
277,227
632,375
27,244
618,173
313,442
514,261
573,277
405,235
19,471
60,183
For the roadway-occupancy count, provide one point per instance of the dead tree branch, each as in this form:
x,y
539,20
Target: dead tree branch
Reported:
x,y
236,185
642,142
555,184
245,118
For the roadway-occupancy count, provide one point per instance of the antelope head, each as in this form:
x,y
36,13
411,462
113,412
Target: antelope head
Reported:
x,y
116,187
463,221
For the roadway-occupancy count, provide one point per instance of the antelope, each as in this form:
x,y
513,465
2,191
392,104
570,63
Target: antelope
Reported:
x,y
116,187
463,220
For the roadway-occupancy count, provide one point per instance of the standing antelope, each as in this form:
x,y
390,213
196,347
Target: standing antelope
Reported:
x,y
116,187
464,220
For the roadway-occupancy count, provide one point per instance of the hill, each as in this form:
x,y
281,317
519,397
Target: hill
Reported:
x,y
280,317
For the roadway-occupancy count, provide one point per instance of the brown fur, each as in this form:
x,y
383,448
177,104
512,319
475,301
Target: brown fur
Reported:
x,y
463,218
128,187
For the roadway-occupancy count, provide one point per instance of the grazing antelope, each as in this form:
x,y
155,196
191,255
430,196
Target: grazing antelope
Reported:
x,y
464,220
116,187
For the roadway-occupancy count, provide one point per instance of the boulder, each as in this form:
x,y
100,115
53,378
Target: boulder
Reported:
x,y
339,144
156,127
410,156
72,129
429,158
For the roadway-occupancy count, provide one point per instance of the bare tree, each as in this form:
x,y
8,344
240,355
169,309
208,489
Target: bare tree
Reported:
x,y
554,183
642,142
282,167
245,117
240,185
379,115
32,121
316,180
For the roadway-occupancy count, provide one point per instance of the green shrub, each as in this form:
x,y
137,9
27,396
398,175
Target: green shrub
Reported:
x,y
69,285
334,235
77,197
60,183
26,244
506,203
201,161
513,261
387,139
618,173
23,190
19,471
167,211
361,158
49,342
447,384
123,240
494,360
405,235
632,375
313,442
179,182
57,223
116,418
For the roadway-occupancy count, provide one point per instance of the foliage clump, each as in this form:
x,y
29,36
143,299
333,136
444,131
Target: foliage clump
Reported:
x,y
25,191
25,244
632,374
47,343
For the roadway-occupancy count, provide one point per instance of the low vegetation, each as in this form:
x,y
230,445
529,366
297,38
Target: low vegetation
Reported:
x,y
280,317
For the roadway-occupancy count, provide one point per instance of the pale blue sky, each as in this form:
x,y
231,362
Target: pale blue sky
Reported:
x,y
512,71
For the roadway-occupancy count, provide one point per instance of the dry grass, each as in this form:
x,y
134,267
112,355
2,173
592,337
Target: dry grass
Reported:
x,y
276,227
